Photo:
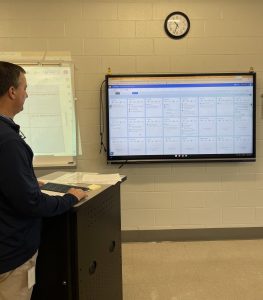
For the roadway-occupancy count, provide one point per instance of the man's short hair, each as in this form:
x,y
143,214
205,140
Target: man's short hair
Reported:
x,y
9,76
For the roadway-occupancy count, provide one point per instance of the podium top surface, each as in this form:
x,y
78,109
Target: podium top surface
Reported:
x,y
60,178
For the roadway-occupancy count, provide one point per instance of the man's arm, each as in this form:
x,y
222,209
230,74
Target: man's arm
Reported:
x,y
20,190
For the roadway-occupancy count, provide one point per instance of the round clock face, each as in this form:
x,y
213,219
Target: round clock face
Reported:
x,y
177,25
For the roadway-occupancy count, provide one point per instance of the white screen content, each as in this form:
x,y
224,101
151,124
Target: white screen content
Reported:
x,y
180,115
48,119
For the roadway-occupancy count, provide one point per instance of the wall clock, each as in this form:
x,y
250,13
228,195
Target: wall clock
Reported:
x,y
177,25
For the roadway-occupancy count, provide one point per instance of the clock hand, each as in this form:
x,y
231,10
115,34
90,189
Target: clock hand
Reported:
x,y
176,24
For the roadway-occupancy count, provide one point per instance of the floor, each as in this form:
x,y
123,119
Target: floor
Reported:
x,y
206,270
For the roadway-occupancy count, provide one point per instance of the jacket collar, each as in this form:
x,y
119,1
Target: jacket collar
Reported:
x,y
10,122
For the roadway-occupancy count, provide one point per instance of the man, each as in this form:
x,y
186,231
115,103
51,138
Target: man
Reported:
x,y
22,204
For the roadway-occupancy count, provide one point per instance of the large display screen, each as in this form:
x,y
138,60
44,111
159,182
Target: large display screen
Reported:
x,y
181,117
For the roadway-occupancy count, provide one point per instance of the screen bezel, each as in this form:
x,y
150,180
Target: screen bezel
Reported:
x,y
193,157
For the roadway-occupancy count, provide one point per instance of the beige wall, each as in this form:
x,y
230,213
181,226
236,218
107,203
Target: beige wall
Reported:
x,y
128,36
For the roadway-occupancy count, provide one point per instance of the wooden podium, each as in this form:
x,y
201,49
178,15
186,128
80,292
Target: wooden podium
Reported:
x,y
80,253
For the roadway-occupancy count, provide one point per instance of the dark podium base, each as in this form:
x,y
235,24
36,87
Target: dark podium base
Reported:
x,y
80,254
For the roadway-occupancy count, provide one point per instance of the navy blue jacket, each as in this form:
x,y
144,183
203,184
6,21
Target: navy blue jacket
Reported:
x,y
22,204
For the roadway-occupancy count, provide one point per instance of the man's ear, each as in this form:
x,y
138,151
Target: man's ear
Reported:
x,y
12,92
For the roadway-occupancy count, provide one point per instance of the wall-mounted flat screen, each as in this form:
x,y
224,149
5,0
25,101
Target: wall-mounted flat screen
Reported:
x,y
181,117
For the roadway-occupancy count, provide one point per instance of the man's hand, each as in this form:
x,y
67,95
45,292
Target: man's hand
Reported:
x,y
79,193
40,183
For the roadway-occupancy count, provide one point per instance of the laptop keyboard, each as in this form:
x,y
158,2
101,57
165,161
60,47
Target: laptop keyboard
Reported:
x,y
60,187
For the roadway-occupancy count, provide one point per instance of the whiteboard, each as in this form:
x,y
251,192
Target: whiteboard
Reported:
x,y
48,120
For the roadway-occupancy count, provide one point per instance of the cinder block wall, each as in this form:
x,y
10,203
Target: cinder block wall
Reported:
x,y
128,37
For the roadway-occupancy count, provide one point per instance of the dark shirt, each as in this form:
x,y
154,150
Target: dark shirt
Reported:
x,y
22,204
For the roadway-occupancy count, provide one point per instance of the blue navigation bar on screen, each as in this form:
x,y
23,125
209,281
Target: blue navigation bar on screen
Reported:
x,y
179,85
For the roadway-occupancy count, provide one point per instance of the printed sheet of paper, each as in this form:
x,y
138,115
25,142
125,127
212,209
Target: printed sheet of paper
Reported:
x,y
88,178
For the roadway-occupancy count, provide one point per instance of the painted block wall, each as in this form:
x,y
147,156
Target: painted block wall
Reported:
x,y
128,37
